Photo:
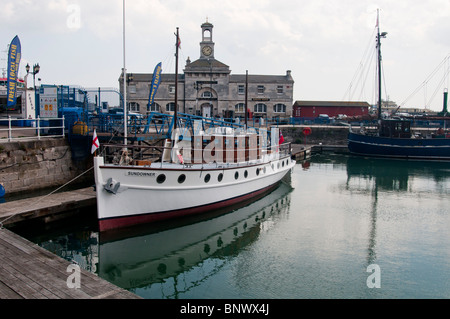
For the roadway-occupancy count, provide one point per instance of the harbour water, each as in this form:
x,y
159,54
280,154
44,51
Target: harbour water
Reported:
x,y
341,227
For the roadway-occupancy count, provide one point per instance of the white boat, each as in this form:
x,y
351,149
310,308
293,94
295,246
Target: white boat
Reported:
x,y
138,191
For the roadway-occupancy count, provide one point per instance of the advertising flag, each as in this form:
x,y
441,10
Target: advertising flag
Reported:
x,y
13,69
155,84
95,143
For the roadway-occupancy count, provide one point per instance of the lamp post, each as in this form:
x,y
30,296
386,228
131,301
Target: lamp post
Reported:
x,y
36,69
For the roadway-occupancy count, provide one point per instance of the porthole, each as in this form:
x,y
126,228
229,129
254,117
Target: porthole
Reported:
x,y
220,177
257,172
278,165
181,178
273,167
161,178
264,169
236,175
207,178
282,164
245,174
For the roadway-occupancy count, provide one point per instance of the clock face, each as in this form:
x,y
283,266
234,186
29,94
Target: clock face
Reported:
x,y
207,50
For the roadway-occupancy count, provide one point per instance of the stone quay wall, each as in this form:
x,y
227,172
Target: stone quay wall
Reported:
x,y
327,135
32,165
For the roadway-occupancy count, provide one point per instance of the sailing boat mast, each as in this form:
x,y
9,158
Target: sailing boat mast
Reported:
x,y
125,117
379,36
176,81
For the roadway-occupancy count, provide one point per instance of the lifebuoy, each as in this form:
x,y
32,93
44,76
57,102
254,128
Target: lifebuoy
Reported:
x,y
307,131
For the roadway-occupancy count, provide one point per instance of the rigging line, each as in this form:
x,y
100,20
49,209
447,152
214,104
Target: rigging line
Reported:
x,y
427,79
40,199
440,85
360,66
366,73
384,81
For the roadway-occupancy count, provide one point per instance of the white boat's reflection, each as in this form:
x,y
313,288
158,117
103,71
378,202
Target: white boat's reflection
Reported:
x,y
139,258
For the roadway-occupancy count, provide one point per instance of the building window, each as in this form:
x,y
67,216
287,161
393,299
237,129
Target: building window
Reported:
x,y
207,95
280,89
261,89
239,108
133,107
132,89
260,108
170,107
172,89
241,89
154,107
279,108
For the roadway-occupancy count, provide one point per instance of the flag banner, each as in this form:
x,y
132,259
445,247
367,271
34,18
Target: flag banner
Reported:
x,y
95,143
281,138
13,69
155,84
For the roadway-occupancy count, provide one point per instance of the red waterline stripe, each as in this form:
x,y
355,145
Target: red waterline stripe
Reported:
x,y
119,222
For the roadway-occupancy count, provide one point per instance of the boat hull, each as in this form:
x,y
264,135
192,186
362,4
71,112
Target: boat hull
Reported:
x,y
406,148
143,195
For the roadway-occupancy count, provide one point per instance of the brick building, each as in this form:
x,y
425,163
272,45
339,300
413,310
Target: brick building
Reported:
x,y
207,88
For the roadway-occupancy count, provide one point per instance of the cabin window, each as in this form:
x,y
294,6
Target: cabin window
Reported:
x,y
207,178
257,172
181,178
236,175
220,177
245,174
161,179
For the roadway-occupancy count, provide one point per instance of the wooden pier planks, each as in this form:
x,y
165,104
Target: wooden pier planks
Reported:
x,y
28,271
47,206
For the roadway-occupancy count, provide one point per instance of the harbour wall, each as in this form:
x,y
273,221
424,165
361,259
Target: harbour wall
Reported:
x,y
325,135
27,166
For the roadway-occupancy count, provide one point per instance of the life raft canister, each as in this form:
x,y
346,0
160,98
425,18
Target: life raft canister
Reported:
x,y
307,131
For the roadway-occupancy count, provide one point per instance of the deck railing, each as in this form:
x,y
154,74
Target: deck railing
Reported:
x,y
29,129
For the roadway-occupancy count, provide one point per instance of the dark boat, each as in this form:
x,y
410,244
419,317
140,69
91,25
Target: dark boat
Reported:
x,y
394,138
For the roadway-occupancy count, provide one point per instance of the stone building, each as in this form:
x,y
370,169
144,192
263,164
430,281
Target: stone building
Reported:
x,y
207,88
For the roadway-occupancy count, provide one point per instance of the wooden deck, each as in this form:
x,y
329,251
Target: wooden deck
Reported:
x,y
48,207
28,271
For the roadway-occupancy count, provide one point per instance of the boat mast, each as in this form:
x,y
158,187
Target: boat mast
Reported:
x,y
246,99
379,36
125,129
176,81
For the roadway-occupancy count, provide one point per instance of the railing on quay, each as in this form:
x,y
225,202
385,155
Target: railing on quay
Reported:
x,y
26,129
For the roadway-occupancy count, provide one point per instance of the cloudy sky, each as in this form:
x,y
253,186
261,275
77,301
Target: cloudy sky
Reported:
x,y
327,44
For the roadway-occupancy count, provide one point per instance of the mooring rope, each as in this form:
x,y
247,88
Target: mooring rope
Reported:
x,y
43,197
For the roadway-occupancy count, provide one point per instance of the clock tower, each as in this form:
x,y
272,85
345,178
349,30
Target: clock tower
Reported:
x,y
207,44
